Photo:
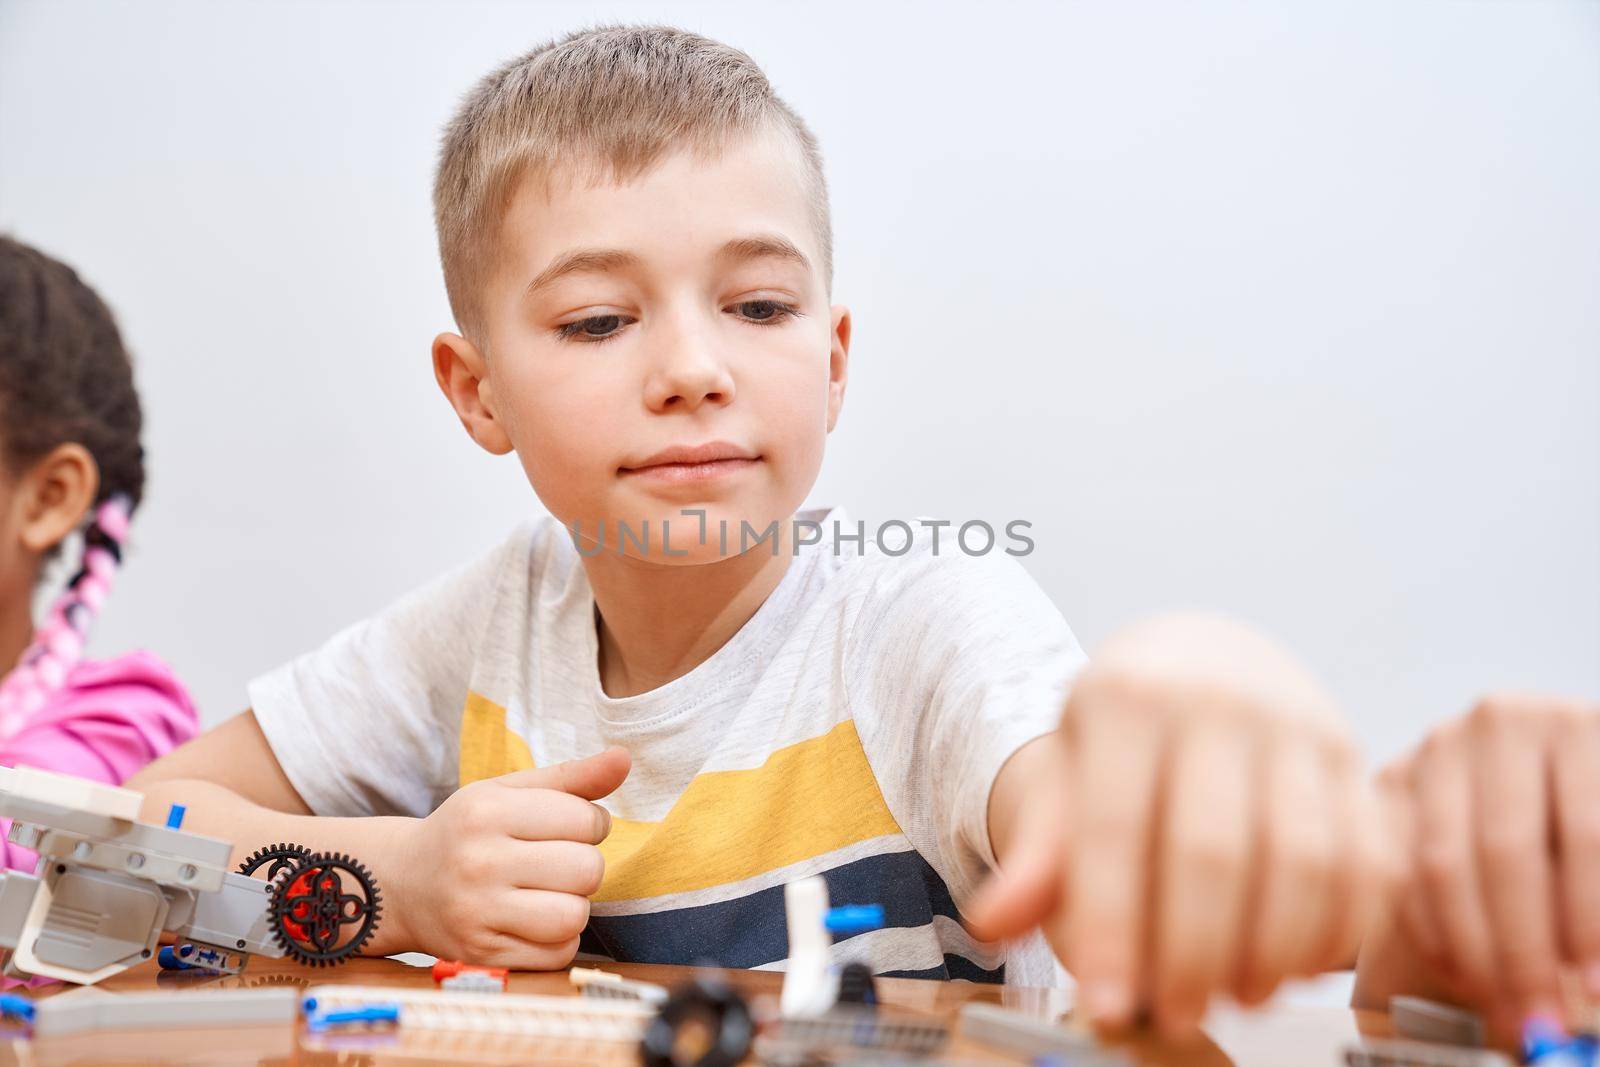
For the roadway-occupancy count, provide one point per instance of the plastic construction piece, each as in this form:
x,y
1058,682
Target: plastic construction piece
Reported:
x,y
1429,1020
86,1010
704,1006
851,1027
595,983
1393,1053
276,858
191,957
853,918
997,1027
454,974
1545,1041
856,985
316,919
319,1022
108,886
16,1006
510,1013
810,982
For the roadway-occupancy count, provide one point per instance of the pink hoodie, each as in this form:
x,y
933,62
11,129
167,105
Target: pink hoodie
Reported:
x,y
110,718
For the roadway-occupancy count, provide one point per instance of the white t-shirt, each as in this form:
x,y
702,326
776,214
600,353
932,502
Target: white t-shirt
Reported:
x,y
852,728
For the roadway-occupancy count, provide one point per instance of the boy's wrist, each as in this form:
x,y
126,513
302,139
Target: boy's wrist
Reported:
x,y
388,853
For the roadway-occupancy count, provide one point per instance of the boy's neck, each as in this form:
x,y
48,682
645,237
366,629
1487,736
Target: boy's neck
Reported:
x,y
658,622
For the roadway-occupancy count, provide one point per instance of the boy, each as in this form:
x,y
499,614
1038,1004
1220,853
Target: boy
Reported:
x,y
635,238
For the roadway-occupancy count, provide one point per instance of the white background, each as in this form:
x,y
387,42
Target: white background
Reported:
x,y
1288,309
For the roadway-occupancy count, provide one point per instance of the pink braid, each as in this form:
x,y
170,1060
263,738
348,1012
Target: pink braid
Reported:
x,y
58,643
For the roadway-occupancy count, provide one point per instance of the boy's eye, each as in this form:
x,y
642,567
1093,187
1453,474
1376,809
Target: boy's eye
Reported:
x,y
764,311
594,328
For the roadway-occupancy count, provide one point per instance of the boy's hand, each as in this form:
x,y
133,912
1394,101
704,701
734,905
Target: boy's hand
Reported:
x,y
1200,824
500,873
1501,817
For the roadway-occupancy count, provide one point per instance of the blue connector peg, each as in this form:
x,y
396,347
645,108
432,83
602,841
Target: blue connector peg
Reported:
x,y
316,1021
853,918
175,816
15,1006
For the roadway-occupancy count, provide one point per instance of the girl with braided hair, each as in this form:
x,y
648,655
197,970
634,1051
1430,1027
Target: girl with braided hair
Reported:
x,y
70,458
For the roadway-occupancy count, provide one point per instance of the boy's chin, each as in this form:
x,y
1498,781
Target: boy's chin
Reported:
x,y
687,536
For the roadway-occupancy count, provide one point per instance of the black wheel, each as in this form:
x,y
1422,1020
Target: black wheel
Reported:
x,y
677,1036
324,908
276,858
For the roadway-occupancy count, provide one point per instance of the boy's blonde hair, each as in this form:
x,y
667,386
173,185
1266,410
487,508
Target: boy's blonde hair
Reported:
x,y
611,101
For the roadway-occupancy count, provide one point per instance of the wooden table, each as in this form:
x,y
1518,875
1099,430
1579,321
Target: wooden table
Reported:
x,y
1276,1036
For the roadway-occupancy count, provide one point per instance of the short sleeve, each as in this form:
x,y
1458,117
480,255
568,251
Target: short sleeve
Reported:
x,y
368,723
955,663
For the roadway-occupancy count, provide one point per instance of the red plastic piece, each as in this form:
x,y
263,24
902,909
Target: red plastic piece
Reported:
x,y
443,969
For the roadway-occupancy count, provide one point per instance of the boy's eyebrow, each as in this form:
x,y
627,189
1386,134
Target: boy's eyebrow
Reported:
x,y
579,260
600,260
763,246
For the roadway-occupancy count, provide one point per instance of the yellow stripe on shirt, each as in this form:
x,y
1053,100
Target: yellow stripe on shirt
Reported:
x,y
805,800
488,748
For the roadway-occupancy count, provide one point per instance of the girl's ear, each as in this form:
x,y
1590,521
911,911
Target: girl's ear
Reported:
x,y
54,495
463,376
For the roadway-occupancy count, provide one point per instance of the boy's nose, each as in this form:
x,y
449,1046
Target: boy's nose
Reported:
x,y
687,377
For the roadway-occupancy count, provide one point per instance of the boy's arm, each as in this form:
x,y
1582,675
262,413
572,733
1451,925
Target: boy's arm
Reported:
x,y
499,874
1199,824
234,789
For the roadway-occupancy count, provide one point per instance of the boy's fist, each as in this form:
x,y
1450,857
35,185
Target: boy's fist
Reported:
x,y
501,872
1200,824
1501,817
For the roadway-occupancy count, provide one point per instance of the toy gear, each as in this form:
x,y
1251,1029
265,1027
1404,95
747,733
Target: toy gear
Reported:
x,y
312,911
279,857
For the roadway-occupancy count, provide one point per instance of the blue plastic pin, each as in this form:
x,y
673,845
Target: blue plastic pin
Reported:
x,y
15,1006
853,918
372,1013
175,816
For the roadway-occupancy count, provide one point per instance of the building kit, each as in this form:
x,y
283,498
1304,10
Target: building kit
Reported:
x,y
108,886
1429,1020
997,1027
508,1013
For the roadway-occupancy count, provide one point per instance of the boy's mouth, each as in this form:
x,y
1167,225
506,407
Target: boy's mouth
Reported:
x,y
692,463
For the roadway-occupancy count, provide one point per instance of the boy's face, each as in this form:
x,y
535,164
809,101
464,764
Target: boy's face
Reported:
x,y
628,325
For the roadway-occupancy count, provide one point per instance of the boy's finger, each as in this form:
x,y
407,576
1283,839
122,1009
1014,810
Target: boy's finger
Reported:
x,y
557,817
1361,873
505,949
1411,904
590,778
1295,855
1576,770
1116,760
1510,802
1202,873
562,866
1447,859
541,916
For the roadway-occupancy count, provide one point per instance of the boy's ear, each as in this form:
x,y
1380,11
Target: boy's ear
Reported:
x,y
54,495
463,376
838,362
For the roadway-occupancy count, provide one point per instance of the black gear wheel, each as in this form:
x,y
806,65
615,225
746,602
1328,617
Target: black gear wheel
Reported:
x,y
279,857
322,909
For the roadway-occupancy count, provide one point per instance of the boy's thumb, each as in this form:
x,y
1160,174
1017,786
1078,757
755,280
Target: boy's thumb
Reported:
x,y
590,778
